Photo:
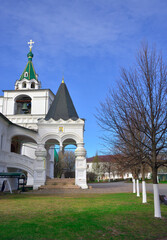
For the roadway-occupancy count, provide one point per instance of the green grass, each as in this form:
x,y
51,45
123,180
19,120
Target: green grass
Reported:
x,y
163,182
79,217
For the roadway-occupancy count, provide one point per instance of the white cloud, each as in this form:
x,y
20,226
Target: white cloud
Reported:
x,y
78,27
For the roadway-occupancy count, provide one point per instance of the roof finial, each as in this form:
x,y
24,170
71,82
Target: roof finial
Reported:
x,y
30,44
63,79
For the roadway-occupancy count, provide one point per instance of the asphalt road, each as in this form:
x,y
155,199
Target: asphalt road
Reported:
x,y
96,188
126,187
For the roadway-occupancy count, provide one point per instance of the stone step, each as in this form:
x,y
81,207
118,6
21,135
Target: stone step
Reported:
x,y
60,183
59,187
60,180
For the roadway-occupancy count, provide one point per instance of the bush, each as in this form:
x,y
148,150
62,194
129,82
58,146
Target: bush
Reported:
x,y
69,174
91,177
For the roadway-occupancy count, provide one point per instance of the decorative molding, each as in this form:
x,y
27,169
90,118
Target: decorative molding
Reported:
x,y
60,121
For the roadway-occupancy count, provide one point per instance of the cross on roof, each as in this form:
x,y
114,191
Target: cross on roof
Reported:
x,y
30,44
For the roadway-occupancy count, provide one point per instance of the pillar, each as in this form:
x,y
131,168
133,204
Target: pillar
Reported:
x,y
47,162
80,166
40,166
51,162
30,179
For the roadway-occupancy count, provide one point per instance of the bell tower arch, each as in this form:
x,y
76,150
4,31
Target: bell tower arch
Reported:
x,y
22,104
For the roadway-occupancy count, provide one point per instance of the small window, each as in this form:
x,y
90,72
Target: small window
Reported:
x,y
24,85
26,74
33,85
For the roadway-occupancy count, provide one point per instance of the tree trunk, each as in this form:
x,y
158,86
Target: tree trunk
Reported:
x,y
137,188
134,185
154,173
144,194
157,209
143,172
109,177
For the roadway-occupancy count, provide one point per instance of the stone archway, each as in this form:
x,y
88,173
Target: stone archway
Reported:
x,y
25,146
50,157
69,147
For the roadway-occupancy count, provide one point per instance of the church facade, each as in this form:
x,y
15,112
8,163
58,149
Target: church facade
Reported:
x,y
32,121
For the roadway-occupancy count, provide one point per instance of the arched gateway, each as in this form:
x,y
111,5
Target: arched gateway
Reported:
x,y
49,119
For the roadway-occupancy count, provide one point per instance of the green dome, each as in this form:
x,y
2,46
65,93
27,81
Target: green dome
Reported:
x,y
30,56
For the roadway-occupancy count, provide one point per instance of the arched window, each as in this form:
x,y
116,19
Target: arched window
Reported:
x,y
23,105
32,85
24,85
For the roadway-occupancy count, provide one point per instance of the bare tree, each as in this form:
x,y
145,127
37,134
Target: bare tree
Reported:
x,y
65,163
136,112
58,165
96,166
110,166
69,160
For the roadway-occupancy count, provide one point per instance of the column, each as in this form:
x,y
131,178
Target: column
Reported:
x,y
80,166
61,149
40,166
47,162
51,162
30,179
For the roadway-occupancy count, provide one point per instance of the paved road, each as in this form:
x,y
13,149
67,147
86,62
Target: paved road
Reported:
x,y
117,187
127,187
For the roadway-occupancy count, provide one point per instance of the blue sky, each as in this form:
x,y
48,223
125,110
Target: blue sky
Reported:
x,y
86,40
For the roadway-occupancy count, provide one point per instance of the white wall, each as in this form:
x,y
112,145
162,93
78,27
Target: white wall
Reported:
x,y
4,141
1,103
28,149
40,103
42,96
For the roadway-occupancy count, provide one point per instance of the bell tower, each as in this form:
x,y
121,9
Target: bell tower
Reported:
x,y
28,102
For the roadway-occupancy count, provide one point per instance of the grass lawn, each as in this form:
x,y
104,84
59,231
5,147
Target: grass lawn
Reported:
x,y
79,217
163,182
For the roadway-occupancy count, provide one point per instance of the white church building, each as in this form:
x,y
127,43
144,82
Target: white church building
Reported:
x,y
32,121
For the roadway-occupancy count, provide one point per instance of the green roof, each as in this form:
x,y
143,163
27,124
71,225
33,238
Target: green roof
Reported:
x,y
29,69
12,174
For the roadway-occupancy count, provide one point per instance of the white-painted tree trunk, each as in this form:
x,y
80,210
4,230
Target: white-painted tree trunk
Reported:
x,y
134,186
144,194
137,188
157,209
